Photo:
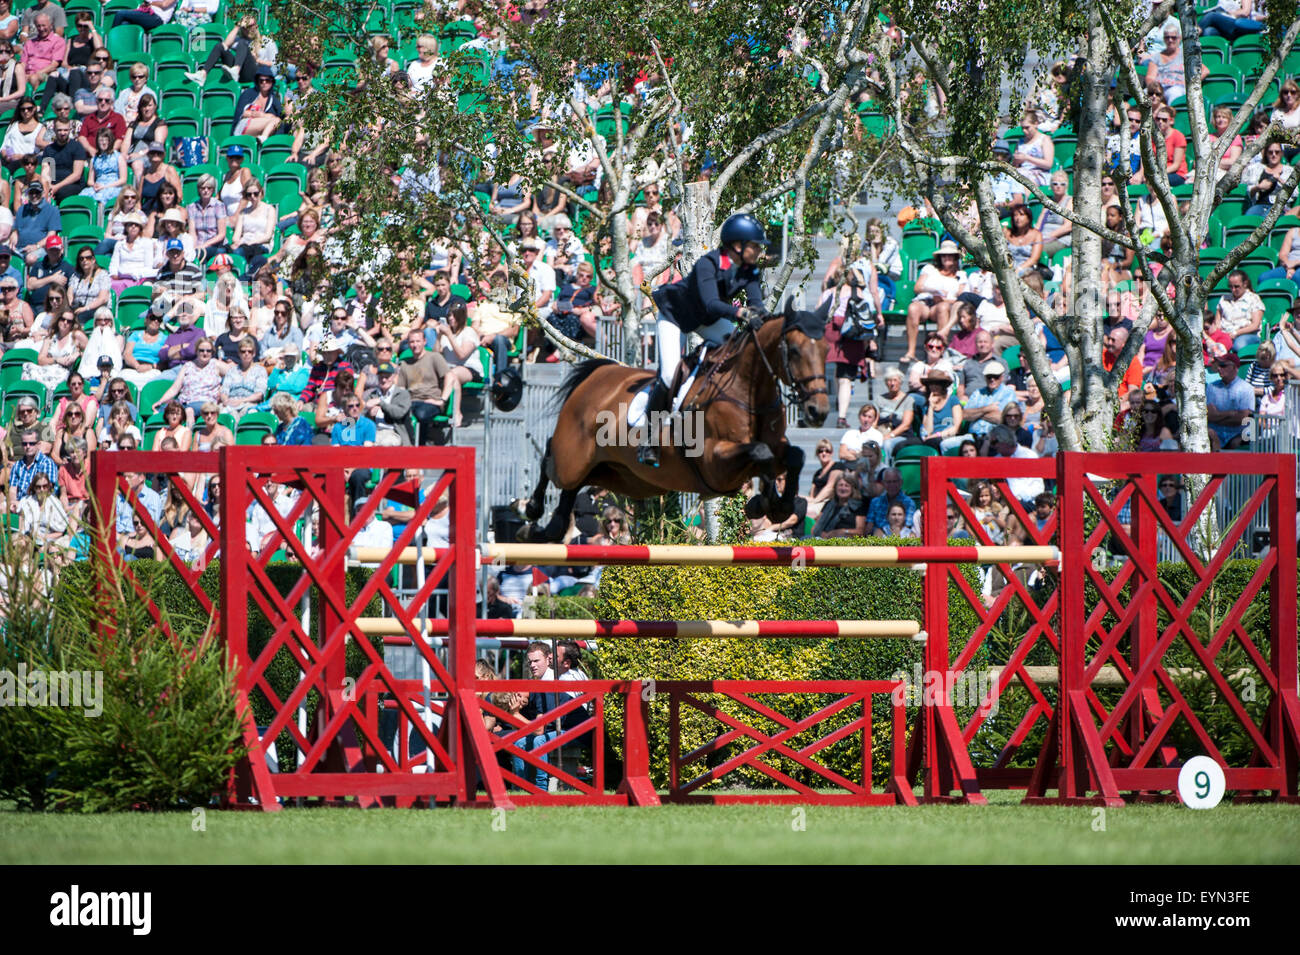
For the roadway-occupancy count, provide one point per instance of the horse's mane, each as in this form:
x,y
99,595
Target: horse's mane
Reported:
x,y
577,376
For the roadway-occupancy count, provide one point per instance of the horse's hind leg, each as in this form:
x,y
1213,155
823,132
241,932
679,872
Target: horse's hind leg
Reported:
x,y
537,503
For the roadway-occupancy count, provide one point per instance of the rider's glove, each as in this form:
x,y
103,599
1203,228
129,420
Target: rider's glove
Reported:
x,y
752,317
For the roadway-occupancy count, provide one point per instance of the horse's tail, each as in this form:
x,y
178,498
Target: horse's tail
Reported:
x,y
576,377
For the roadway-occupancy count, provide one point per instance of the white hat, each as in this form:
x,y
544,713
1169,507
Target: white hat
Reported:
x,y
994,368
330,343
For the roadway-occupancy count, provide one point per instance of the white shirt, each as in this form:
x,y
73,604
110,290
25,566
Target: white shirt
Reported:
x,y
855,438
138,262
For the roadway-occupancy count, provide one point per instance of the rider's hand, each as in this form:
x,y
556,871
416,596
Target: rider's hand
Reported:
x,y
752,317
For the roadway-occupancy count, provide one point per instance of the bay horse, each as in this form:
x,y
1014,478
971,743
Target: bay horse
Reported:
x,y
736,403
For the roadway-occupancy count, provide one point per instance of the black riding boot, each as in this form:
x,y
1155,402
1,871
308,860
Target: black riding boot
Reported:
x,y
655,406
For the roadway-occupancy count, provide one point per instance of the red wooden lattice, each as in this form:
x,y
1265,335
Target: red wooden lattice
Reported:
x,y
942,743
1129,744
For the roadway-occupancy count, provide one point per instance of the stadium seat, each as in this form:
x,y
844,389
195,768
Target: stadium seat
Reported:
x,y
168,39
125,43
18,389
78,211
1239,229
150,394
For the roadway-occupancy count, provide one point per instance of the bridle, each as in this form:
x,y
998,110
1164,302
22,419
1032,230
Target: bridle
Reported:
x,y
786,375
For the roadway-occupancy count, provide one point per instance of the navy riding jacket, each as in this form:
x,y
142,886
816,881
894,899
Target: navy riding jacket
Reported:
x,y
705,295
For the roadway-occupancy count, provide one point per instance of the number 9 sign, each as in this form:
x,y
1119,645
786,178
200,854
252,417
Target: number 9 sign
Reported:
x,y
1201,783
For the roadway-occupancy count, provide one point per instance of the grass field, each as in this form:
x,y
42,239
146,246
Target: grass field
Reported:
x,y
1000,833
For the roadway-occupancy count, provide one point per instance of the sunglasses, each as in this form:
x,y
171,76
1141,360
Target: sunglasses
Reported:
x,y
29,444
281,311
204,351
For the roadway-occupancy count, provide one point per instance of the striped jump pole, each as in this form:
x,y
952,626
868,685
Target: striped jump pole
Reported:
x,y
670,629
718,556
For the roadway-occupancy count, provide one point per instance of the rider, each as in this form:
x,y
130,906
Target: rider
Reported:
x,y
701,303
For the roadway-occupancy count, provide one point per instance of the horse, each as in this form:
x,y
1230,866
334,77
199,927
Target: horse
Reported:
x,y
735,403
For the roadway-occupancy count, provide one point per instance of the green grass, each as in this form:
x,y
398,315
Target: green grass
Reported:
x,y
1000,833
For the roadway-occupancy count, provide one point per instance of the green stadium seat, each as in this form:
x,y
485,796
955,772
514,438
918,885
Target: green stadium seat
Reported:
x,y
178,99
1215,52
1218,85
168,39
77,211
150,395
125,43
1239,229
18,357
275,151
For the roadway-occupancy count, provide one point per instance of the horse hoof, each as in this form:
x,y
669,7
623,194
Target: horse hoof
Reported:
x,y
527,534
755,508
761,454
534,511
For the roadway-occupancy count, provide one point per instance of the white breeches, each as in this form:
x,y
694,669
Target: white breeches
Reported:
x,y
669,340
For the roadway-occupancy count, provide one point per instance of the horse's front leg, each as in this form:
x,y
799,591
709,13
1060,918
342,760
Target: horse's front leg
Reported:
x,y
780,508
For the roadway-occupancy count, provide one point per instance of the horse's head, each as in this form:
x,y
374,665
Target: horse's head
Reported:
x,y
803,360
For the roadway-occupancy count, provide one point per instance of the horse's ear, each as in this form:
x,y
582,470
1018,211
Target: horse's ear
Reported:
x,y
812,324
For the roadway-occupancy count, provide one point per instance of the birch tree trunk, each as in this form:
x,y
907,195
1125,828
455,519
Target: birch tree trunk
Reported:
x,y
1091,401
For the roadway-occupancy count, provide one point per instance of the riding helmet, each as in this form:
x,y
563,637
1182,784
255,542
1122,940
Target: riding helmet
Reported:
x,y
743,228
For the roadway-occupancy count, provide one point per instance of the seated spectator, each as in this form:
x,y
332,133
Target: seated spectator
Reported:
x,y
88,286
293,430
76,397
285,374
822,479
255,225
235,336
1013,416
36,222
331,405
69,161
28,446
323,372
765,529
896,523
284,333
227,294
1166,67
389,406
842,515
71,428
1113,345
984,407
956,524
258,110
209,433
60,353
207,220
1273,401
458,345
1229,402
73,475
134,258
989,511
198,383
422,375
878,509
852,440
173,416
1241,312
120,424
1215,341
936,359
104,115
897,415
1264,181
941,417
142,355
110,392
244,386
140,544
1003,444
43,520
1261,367
191,540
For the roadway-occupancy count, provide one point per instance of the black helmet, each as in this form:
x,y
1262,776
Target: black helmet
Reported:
x,y
507,389
743,228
